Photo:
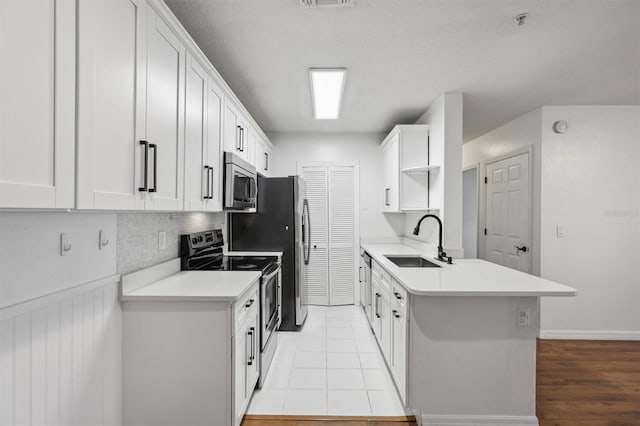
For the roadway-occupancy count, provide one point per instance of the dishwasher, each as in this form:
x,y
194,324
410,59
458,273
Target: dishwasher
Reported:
x,y
365,283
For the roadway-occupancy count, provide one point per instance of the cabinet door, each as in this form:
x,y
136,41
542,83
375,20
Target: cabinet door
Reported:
x,y
253,148
385,325
399,350
268,154
164,115
197,176
253,367
37,103
391,175
240,364
245,138
215,100
231,130
376,316
109,159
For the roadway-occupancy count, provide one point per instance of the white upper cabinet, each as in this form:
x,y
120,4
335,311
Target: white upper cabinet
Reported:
x,y
203,109
123,147
406,169
110,164
264,154
236,132
164,115
131,108
37,105
391,173
215,105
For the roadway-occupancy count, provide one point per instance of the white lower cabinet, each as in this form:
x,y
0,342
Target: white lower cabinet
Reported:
x,y
189,363
398,360
389,322
246,366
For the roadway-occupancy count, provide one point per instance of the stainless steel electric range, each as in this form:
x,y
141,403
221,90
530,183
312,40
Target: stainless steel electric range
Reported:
x,y
204,251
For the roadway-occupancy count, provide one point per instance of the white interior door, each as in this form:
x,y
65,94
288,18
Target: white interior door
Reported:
x,y
332,194
341,234
317,271
508,203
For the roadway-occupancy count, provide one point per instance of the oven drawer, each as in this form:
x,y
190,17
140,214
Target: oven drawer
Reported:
x,y
246,307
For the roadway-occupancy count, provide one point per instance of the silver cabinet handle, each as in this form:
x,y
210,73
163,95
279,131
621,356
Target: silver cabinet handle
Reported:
x,y
397,295
211,185
377,307
249,303
238,135
396,314
266,161
386,196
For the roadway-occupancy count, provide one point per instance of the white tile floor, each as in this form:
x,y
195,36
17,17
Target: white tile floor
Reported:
x,y
333,367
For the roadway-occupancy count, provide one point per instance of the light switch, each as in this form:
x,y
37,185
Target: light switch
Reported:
x,y
561,231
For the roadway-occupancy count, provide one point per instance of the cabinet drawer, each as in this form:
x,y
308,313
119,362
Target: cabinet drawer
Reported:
x,y
376,271
381,276
247,305
398,293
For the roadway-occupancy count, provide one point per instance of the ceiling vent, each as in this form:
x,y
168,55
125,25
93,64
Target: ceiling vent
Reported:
x,y
326,3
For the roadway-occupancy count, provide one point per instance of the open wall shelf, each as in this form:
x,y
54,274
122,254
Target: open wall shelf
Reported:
x,y
419,170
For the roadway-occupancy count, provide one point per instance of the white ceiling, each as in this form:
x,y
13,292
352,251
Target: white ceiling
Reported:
x,y
402,54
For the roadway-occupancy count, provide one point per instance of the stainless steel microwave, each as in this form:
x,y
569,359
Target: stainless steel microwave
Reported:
x,y
240,184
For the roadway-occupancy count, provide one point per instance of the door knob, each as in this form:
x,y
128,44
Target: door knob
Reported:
x,y
315,246
522,249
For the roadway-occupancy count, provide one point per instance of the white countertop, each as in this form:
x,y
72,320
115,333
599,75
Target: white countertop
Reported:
x,y
188,286
466,277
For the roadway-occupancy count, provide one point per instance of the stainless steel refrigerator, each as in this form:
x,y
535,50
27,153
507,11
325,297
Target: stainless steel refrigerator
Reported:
x,y
280,223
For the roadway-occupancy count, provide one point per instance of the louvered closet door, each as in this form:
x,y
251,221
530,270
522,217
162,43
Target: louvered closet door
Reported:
x,y
317,272
341,235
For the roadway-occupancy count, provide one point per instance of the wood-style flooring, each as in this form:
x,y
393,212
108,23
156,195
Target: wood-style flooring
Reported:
x,y
268,420
588,383
579,383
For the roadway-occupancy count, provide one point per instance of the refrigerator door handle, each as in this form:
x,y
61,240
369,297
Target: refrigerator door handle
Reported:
x,y
306,223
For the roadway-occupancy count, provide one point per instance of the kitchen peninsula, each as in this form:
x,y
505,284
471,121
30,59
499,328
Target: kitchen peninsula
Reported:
x,y
460,339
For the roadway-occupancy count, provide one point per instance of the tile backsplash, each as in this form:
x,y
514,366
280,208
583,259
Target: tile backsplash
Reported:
x,y
138,245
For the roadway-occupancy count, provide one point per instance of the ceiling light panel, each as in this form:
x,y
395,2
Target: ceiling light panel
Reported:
x,y
326,3
327,85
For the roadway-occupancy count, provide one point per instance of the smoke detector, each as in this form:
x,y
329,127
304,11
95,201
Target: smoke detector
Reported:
x,y
325,3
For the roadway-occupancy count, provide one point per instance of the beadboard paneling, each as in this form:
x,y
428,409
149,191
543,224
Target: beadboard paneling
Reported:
x,y
60,362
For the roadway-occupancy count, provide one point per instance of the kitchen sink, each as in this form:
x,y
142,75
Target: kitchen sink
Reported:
x,y
412,262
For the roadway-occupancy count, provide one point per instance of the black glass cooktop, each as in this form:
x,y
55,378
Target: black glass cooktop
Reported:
x,y
236,263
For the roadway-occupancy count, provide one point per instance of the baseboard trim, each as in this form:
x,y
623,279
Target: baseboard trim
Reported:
x,y
589,335
454,420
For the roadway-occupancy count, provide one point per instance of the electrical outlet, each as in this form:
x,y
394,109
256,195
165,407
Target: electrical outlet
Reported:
x,y
561,231
523,317
162,240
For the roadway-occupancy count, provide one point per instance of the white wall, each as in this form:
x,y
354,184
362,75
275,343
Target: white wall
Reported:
x,y
521,133
470,213
444,118
588,181
289,148
30,261
591,186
